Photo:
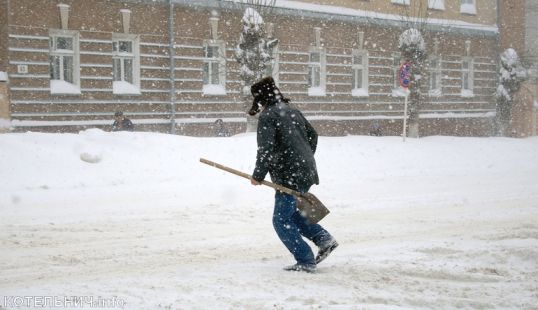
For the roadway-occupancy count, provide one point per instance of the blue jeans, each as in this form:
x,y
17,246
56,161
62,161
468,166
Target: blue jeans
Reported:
x,y
290,225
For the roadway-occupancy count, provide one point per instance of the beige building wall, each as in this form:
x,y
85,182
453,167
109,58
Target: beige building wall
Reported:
x,y
486,10
5,115
513,26
338,112
523,121
531,57
519,30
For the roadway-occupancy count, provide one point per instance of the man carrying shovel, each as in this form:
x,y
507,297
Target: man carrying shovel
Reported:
x,y
286,146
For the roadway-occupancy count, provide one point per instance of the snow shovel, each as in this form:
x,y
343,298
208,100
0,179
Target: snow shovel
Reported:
x,y
309,205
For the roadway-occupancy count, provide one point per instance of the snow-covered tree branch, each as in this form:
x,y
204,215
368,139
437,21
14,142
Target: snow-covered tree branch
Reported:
x,y
252,52
511,75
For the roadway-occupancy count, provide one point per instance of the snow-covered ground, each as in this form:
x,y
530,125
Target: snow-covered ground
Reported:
x,y
439,222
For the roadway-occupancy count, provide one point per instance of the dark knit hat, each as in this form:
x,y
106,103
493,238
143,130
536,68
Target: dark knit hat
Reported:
x,y
264,92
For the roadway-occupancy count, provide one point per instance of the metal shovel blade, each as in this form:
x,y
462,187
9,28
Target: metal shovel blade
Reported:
x,y
311,207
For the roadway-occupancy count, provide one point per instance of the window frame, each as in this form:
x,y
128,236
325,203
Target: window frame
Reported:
x,y
272,68
438,76
468,8
321,89
359,91
397,89
220,87
401,2
436,5
122,56
73,87
467,92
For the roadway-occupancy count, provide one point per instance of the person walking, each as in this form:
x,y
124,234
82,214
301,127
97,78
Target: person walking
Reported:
x,y
286,146
220,129
122,123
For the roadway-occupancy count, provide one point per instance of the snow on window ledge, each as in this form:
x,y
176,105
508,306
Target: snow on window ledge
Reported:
x,y
468,9
359,92
63,88
5,123
466,93
435,93
213,89
400,92
124,88
3,76
316,91
436,4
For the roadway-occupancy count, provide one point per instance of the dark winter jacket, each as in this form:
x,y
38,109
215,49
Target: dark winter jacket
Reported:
x,y
286,146
125,124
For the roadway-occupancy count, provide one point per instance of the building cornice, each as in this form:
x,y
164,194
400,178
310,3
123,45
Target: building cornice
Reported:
x,y
335,13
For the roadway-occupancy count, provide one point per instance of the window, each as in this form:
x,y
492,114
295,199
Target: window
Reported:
x,y
467,77
397,90
272,66
214,68
125,64
316,72
435,76
436,4
396,63
468,7
64,62
404,2
359,78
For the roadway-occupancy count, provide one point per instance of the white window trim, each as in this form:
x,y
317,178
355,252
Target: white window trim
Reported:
x,y
62,87
397,89
402,2
322,89
436,92
363,91
468,92
468,8
121,87
216,89
436,4
274,63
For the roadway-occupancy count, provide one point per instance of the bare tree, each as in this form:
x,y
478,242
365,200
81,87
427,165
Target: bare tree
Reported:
x,y
413,49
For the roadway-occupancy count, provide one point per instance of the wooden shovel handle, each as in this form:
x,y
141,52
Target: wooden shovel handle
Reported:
x,y
247,176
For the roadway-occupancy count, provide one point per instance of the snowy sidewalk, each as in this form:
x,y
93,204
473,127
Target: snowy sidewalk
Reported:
x,y
438,222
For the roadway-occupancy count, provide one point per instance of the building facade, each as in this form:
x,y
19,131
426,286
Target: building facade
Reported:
x,y
71,64
518,29
531,56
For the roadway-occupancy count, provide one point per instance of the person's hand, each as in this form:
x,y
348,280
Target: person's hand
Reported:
x,y
254,182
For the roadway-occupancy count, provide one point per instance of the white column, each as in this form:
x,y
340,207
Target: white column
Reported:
x,y
317,34
64,15
214,23
126,19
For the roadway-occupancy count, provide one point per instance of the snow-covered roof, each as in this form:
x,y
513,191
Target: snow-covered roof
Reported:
x,y
289,7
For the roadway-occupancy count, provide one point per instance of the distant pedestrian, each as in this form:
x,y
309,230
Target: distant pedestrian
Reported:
x,y
286,146
121,123
375,130
220,129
